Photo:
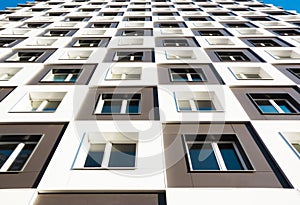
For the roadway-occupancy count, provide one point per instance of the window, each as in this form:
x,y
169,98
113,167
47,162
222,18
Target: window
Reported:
x,y
265,42
15,150
250,73
62,75
275,103
239,25
197,101
215,153
232,56
29,56
39,102
118,104
293,139
8,42
111,156
198,18
77,19
125,56
34,25
176,42
261,18
103,25
219,32
165,14
59,33
130,55
287,32
56,13
124,73
90,42
295,71
139,9
134,32
170,25
187,75
137,18
7,73
221,14
111,14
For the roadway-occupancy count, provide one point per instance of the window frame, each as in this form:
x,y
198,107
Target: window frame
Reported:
x,y
198,71
238,148
17,150
271,100
124,104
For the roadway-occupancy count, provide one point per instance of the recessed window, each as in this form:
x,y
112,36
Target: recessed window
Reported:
x,y
222,14
34,25
180,54
76,55
212,32
90,9
62,75
8,42
238,25
17,18
118,104
124,73
261,18
165,14
111,155
79,19
125,56
39,102
7,73
59,33
130,55
293,138
134,32
215,153
287,32
111,14
90,42
232,56
28,56
265,42
103,25
137,18
187,75
250,73
175,43
295,71
207,18
197,101
170,25
275,103
139,9
15,150
287,54
56,13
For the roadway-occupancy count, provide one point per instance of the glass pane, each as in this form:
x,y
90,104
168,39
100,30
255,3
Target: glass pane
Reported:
x,y
74,78
196,77
5,152
203,157
296,146
266,107
122,155
184,105
284,105
252,76
133,76
230,157
116,76
132,106
95,155
22,158
179,77
204,105
51,106
111,106
59,77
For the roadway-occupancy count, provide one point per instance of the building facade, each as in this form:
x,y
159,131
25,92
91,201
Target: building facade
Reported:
x,y
153,102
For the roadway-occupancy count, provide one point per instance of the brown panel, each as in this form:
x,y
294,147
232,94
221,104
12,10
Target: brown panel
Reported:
x,y
33,169
98,199
178,174
253,111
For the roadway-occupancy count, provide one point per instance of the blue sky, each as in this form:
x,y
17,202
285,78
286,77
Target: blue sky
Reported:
x,y
286,4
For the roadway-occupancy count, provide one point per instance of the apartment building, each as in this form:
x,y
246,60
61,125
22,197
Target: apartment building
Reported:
x,y
153,102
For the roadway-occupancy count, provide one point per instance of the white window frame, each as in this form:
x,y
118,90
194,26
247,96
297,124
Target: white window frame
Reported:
x,y
217,153
124,102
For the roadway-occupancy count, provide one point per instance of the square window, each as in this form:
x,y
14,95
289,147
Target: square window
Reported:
x,y
266,42
212,32
175,43
59,33
239,25
62,75
232,56
118,104
7,73
287,32
39,102
197,101
134,32
275,103
8,42
26,56
215,153
187,75
15,150
103,25
90,42
124,73
125,56
249,73
169,25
